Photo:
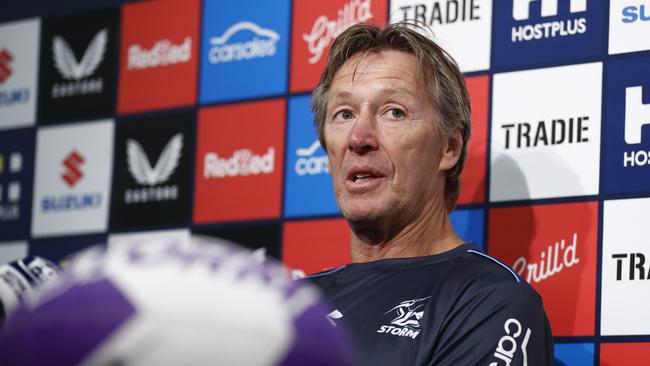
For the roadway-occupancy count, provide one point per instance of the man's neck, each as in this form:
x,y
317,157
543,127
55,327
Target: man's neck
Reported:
x,y
428,235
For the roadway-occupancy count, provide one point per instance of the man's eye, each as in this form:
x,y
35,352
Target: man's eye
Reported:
x,y
345,115
396,113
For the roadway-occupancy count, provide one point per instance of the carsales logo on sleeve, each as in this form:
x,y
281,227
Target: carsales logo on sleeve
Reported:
x,y
553,248
316,24
158,56
239,162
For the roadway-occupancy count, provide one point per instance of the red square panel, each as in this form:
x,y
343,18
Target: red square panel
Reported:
x,y
472,188
624,354
158,55
316,245
553,247
239,162
315,25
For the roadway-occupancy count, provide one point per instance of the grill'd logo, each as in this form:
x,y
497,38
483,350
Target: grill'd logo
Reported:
x,y
5,59
163,53
324,30
73,173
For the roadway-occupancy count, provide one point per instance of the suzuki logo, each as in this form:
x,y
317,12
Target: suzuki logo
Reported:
x,y
72,162
637,114
67,64
521,8
5,59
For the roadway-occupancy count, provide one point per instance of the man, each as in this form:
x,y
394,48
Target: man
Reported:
x,y
393,114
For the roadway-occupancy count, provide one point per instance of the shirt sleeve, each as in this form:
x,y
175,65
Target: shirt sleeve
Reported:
x,y
503,324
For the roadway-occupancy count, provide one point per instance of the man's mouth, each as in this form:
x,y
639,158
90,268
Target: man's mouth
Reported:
x,y
363,179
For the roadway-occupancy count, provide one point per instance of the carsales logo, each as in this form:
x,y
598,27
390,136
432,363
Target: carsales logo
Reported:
x,y
240,170
72,164
263,44
5,59
557,255
316,26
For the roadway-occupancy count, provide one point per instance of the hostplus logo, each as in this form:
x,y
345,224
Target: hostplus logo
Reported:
x,y
567,130
558,257
309,163
242,163
441,12
631,266
162,53
72,176
10,192
407,318
574,24
262,44
325,30
153,177
78,71
14,96
5,59
637,115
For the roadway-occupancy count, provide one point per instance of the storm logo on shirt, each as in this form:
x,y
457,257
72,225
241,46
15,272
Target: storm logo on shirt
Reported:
x,y
407,321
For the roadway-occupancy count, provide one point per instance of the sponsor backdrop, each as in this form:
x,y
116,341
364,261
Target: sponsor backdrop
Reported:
x,y
178,117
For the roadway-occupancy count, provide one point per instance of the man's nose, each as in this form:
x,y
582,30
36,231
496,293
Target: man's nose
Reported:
x,y
363,135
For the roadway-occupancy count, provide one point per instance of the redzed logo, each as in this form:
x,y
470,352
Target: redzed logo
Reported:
x,y
158,55
553,247
72,163
316,26
5,58
238,162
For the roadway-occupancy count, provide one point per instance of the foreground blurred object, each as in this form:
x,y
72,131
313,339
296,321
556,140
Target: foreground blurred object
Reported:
x,y
172,302
20,277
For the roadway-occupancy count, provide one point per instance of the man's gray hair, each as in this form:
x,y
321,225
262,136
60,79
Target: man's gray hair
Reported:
x,y
442,79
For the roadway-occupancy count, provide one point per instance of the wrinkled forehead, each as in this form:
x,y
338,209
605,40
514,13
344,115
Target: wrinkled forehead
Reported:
x,y
385,71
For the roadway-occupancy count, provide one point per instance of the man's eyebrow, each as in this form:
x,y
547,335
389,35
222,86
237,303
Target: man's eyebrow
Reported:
x,y
386,92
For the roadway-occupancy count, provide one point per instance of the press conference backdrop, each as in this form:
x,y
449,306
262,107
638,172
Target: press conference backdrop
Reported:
x,y
194,117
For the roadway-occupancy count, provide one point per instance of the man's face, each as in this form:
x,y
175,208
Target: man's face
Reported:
x,y
384,149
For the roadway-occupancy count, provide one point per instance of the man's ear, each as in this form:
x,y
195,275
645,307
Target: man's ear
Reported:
x,y
452,146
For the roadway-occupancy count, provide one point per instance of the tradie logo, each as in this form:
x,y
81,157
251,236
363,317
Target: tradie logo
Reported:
x,y
507,344
141,169
222,52
72,163
407,320
557,258
637,268
163,53
67,64
308,164
637,115
324,30
566,130
521,8
5,59
243,162
551,29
